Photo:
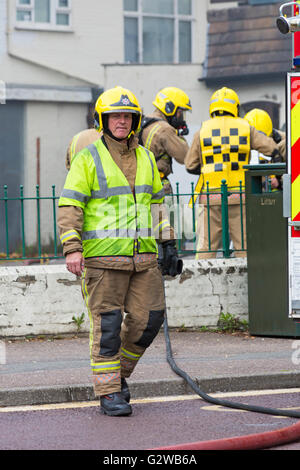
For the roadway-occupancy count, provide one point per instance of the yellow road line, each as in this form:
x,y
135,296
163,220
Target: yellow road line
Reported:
x,y
226,409
87,404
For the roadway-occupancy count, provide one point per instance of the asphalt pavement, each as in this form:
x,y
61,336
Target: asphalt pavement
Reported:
x,y
47,370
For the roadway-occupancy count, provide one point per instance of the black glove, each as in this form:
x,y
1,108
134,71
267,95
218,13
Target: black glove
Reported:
x,y
168,260
277,157
276,136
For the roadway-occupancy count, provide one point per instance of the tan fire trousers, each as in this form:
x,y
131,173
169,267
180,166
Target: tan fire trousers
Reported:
x,y
235,230
126,310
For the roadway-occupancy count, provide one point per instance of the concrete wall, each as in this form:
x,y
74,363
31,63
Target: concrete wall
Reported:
x,y
37,300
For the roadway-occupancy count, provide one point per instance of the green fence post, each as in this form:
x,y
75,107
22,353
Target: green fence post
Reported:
x,y
241,212
6,221
22,220
225,226
38,213
208,215
194,217
54,219
178,217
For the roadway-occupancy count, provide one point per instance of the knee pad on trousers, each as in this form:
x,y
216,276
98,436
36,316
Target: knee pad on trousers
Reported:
x,y
110,341
156,319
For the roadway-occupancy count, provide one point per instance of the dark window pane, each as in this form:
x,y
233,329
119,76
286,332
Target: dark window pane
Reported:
x,y
62,19
23,15
185,41
130,5
185,7
158,6
42,11
131,40
158,40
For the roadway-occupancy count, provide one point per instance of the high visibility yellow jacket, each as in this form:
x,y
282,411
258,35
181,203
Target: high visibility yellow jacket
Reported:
x,y
225,146
115,218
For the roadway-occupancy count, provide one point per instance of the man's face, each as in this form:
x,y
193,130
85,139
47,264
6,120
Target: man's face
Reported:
x,y
120,124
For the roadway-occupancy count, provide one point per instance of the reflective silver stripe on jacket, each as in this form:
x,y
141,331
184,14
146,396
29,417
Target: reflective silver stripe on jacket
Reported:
x,y
108,192
151,162
117,233
110,233
143,188
145,232
105,191
70,194
159,195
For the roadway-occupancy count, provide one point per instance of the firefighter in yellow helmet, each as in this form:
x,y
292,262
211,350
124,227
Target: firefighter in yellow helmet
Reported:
x,y
107,228
219,151
163,131
86,137
261,120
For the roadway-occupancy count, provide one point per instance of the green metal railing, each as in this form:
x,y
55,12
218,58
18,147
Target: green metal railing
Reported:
x,y
17,248
21,251
226,250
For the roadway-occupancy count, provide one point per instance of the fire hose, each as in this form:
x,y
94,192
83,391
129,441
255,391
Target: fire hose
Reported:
x,y
249,442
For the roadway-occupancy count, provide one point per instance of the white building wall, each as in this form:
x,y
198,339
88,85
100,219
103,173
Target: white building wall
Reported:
x,y
3,21
53,125
96,37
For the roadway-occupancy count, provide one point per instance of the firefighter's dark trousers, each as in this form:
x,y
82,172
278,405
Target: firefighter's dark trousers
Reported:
x,y
126,310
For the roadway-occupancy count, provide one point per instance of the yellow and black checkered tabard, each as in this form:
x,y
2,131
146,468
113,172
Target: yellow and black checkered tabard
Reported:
x,y
225,147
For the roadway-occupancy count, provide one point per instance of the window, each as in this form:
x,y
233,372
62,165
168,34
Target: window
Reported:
x,y
44,14
158,31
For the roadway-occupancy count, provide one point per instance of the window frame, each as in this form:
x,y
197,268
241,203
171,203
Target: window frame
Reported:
x,y
262,2
52,25
270,106
175,16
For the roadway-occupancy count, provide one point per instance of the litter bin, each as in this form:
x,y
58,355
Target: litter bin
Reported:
x,y
267,255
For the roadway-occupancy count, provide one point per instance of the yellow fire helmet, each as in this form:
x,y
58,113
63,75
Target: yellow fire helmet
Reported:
x,y
117,100
169,99
224,100
261,120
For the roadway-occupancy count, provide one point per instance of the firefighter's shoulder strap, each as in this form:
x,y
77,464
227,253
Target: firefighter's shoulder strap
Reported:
x,y
146,121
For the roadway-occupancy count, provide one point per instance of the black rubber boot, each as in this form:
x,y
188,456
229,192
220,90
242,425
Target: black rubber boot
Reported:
x,y
114,404
125,390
